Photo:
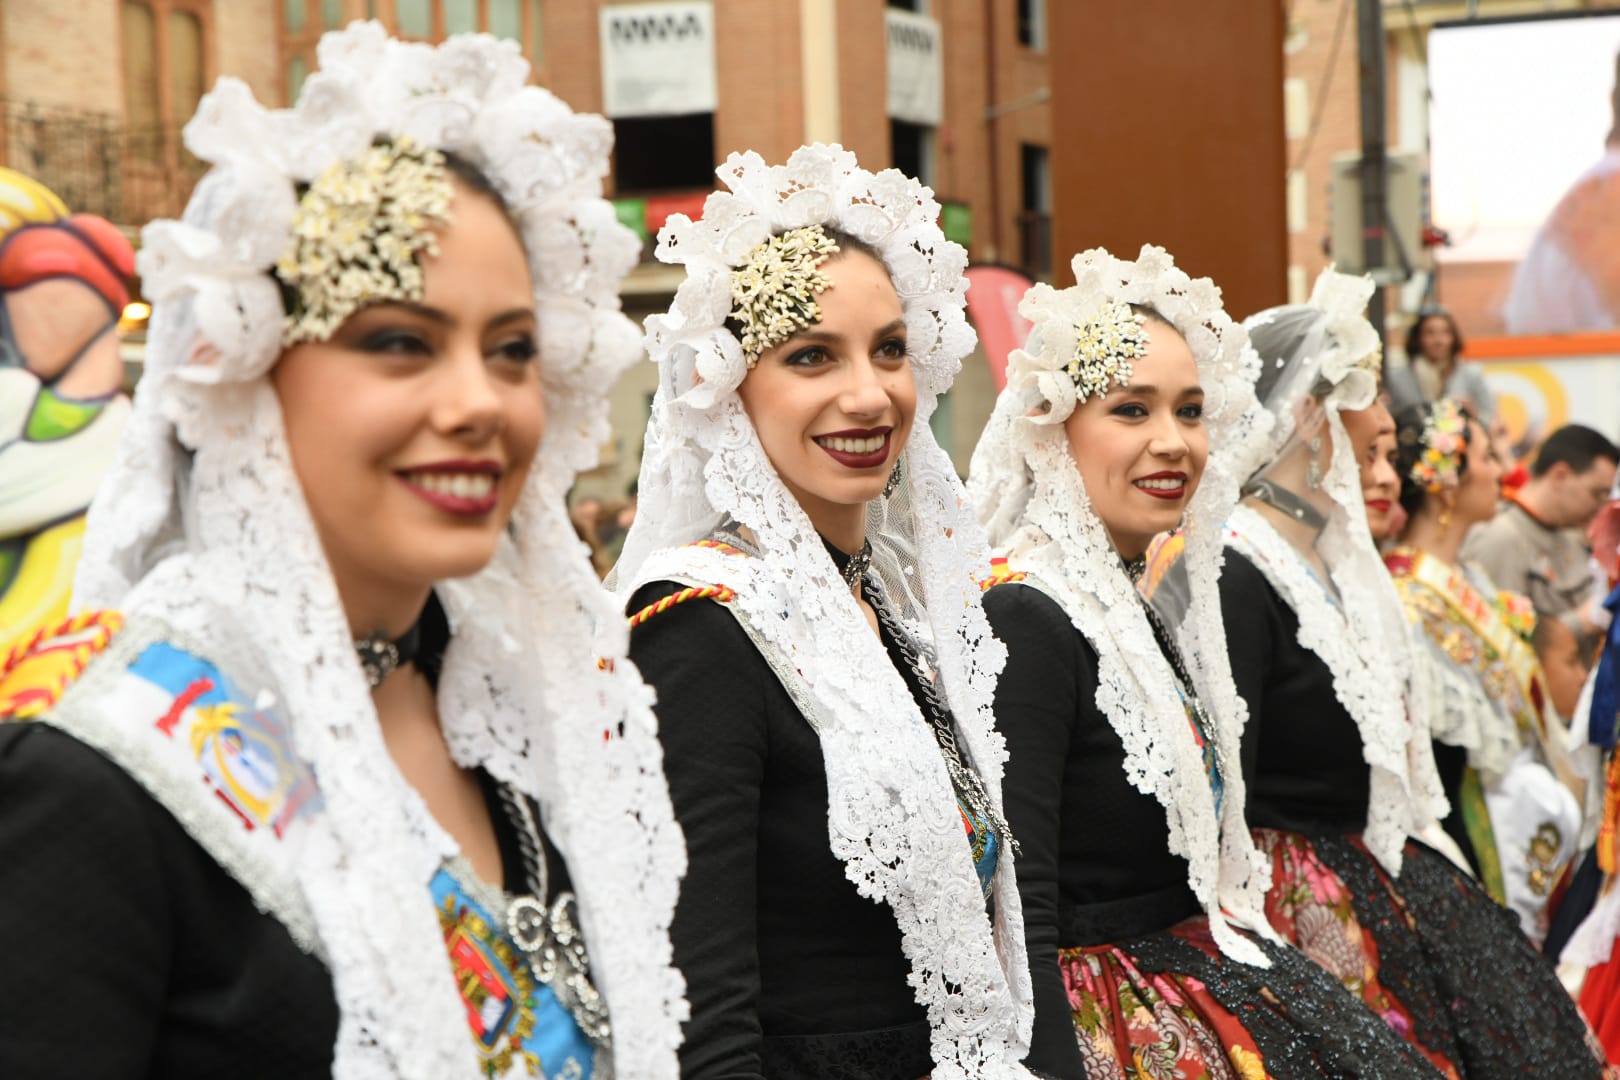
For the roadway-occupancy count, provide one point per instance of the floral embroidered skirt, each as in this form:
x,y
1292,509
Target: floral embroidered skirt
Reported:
x,y
1169,1007
1443,964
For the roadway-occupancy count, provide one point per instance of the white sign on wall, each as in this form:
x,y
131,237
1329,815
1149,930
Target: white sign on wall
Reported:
x,y
657,59
916,68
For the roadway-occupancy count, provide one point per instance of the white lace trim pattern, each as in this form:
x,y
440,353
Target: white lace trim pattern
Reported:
x,y
1369,675
1036,510
202,524
702,464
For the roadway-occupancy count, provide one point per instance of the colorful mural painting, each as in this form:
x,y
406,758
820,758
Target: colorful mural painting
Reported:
x,y
63,287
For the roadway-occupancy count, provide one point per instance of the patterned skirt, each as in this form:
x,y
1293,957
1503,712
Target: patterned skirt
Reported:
x,y
1168,1006
1443,964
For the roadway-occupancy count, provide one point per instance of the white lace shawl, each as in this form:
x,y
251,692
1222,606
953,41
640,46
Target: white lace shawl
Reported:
x,y
1035,508
887,789
202,524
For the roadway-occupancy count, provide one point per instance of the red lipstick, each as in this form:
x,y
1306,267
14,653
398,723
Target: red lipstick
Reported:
x,y
875,459
1168,494
469,489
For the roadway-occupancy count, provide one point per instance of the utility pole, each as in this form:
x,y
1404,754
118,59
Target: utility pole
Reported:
x,y
1374,160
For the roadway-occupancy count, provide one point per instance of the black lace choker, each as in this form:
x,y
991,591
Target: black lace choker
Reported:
x,y
423,645
851,567
1285,501
1134,568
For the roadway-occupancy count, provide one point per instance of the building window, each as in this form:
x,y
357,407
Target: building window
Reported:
x,y
919,6
662,153
1032,23
1035,210
304,21
911,149
166,70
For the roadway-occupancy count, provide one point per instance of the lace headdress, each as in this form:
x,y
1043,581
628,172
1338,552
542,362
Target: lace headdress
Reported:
x,y
703,467
202,524
1318,360
1035,508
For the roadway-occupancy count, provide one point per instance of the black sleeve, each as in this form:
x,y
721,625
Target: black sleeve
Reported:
x,y
710,683
85,935
1037,698
1249,607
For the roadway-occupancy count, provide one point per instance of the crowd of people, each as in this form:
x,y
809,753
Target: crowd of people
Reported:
x,y
1224,723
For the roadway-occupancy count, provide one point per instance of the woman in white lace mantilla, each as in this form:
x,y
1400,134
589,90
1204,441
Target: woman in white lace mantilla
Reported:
x,y
1315,630
1142,890
334,782
801,578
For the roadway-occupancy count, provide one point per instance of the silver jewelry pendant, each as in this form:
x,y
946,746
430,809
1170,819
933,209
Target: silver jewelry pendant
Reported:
x,y
378,657
555,949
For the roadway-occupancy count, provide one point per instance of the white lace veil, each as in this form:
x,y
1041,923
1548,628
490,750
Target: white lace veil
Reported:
x,y
202,524
1318,360
1034,506
703,464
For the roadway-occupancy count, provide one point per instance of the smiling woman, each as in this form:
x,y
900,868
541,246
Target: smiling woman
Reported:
x,y
344,767
1123,780
800,577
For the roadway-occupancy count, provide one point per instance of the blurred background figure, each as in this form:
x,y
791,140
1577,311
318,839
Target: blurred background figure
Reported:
x,y
1434,369
62,290
1569,280
1537,544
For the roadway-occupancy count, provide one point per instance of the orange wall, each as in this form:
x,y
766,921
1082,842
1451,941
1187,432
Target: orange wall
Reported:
x,y
1171,132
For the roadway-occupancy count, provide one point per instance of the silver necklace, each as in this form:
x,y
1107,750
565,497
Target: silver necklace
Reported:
x,y
964,779
549,936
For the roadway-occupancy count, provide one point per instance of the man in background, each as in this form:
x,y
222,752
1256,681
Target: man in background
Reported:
x,y
1536,544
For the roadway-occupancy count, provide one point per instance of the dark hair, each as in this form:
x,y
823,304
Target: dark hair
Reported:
x,y
1414,333
1154,315
1409,446
1576,446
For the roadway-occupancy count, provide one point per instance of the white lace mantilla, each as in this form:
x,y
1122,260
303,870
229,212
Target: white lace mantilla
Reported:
x,y
1370,675
1036,510
702,465
202,525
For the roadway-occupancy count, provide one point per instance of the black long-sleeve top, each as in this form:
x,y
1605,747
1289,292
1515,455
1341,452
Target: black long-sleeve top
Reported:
x,y
126,951
789,971
1302,752
1096,866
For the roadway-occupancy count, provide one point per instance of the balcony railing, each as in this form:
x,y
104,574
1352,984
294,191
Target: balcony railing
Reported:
x,y
96,163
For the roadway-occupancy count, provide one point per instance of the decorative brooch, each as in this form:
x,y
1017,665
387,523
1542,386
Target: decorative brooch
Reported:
x,y
358,232
1444,442
1104,347
773,293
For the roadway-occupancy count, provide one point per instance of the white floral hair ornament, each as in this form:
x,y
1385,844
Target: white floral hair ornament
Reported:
x,y
1083,338
703,470
774,292
358,232
202,527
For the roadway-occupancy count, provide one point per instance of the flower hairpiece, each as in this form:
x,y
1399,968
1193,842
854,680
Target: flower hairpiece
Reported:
x,y
773,292
358,232
1443,444
1104,347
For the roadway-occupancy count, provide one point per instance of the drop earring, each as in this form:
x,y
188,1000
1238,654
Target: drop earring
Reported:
x,y
1313,467
894,480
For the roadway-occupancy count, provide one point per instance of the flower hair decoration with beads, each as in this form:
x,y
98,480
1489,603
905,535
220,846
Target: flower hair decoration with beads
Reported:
x,y
1444,441
357,235
1104,348
773,293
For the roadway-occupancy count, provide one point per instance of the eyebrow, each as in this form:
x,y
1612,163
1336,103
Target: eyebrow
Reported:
x,y
1149,390
433,314
810,333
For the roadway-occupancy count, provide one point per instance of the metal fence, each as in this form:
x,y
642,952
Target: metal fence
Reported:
x,y
96,163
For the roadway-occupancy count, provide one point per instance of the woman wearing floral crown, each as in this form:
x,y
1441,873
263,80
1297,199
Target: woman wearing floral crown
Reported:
x,y
1314,630
1499,745
326,778
1138,875
801,579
